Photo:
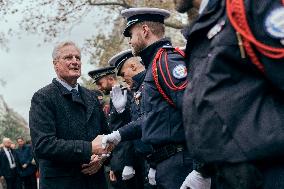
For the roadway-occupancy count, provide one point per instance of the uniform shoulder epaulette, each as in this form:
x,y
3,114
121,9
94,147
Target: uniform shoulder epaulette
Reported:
x,y
160,58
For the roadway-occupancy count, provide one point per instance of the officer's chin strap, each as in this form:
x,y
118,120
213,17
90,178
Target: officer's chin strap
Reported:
x,y
237,16
171,85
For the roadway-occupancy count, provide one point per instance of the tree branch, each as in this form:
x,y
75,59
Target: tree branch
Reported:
x,y
71,11
124,4
174,25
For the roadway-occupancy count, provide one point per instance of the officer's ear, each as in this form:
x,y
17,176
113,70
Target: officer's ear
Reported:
x,y
133,67
145,30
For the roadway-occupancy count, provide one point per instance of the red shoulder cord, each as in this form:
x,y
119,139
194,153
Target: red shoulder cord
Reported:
x,y
237,16
171,85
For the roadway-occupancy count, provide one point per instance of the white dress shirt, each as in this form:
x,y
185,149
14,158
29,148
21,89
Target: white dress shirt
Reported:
x,y
66,85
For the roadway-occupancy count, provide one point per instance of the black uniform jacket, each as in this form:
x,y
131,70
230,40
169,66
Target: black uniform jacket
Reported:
x,y
136,112
62,127
123,153
162,123
232,112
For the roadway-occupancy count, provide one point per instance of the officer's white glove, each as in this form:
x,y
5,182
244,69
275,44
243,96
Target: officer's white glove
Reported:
x,y
114,138
119,98
194,180
151,176
128,173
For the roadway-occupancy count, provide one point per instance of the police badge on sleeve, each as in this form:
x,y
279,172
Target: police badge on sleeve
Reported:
x,y
180,71
274,23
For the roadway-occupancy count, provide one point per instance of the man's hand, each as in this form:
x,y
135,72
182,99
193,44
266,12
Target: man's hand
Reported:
x,y
97,146
112,176
194,180
94,165
119,98
152,176
111,140
128,173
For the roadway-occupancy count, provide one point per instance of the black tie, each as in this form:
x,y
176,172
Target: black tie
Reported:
x,y
76,96
11,157
75,93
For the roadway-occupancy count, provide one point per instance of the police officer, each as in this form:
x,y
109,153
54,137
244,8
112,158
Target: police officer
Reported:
x,y
133,72
162,93
122,160
233,109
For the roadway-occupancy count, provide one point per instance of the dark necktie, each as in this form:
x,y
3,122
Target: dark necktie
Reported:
x,y
76,96
11,156
75,93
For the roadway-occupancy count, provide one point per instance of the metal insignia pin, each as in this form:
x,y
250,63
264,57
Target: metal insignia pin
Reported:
x,y
137,96
215,30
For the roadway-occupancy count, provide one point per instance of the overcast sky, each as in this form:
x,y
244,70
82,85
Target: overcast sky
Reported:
x,y
27,67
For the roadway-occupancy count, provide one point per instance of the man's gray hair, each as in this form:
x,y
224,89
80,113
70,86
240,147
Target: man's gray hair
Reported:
x,y
6,139
57,48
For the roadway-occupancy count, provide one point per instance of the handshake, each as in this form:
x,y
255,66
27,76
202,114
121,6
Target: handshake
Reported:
x,y
102,145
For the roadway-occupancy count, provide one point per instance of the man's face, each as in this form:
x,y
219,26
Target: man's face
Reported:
x,y
7,143
136,40
68,63
20,142
104,85
183,5
127,72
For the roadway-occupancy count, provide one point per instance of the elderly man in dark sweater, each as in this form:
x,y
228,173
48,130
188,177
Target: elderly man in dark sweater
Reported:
x,y
64,119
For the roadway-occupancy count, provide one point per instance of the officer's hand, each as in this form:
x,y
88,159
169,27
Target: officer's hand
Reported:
x,y
119,98
97,146
194,180
128,173
152,176
113,138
